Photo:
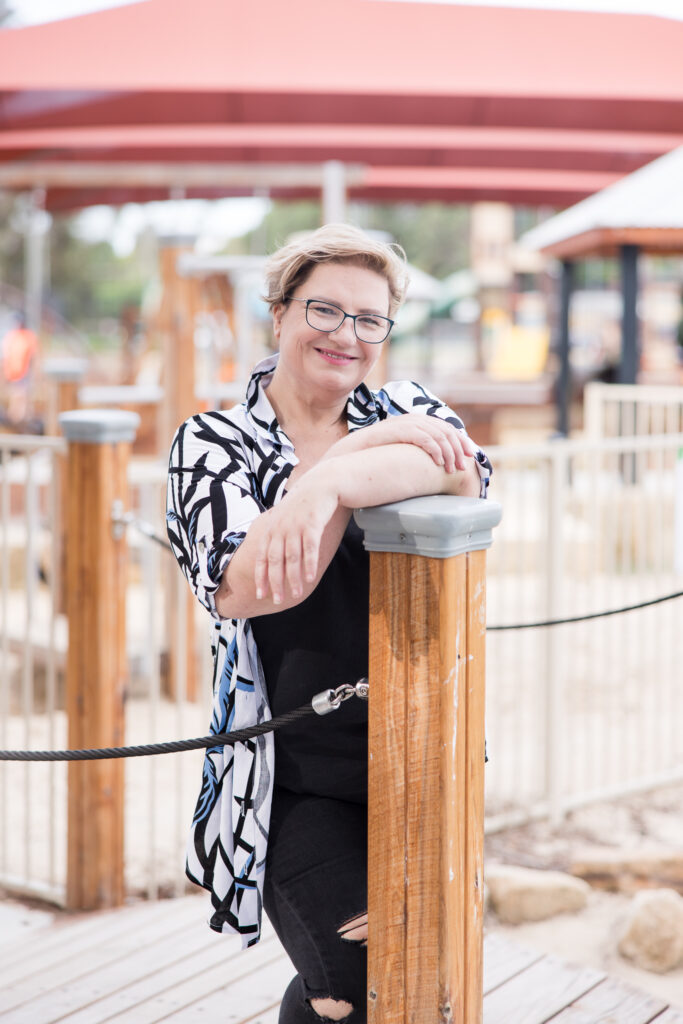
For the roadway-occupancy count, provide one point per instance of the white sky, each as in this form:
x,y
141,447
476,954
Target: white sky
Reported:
x,y
29,12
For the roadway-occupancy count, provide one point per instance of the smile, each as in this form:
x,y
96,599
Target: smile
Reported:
x,y
335,357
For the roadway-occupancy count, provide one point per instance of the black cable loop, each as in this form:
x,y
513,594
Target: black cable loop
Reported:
x,y
172,747
591,615
321,704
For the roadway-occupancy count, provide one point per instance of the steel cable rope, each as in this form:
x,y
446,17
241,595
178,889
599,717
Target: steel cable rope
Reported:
x,y
321,704
592,615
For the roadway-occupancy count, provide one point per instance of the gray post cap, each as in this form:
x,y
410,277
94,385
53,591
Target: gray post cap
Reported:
x,y
99,426
437,525
66,368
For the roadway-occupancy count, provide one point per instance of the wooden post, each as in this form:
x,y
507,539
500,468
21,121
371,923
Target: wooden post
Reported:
x,y
426,767
65,376
99,445
176,321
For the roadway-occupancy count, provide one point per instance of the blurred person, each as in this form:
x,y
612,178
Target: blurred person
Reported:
x,y
19,354
260,503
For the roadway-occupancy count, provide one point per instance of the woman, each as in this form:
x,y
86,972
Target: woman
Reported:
x,y
259,517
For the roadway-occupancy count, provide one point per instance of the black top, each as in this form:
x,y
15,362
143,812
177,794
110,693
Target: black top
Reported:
x,y
318,644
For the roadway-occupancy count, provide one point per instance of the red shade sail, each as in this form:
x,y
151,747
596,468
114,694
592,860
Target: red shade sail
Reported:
x,y
464,102
356,62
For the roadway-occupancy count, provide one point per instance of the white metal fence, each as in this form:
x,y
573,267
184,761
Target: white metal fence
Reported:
x,y
33,646
574,712
160,791
580,711
628,410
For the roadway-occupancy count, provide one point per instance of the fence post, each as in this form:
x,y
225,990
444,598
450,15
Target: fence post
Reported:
x,y
65,376
426,764
98,450
176,323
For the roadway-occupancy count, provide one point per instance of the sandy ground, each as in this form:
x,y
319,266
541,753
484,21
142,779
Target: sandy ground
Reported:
x,y
590,937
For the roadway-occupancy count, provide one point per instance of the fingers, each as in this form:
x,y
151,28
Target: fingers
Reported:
x,y
301,559
445,444
276,567
448,446
287,560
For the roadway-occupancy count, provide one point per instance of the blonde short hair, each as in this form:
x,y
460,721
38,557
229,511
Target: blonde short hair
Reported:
x,y
290,266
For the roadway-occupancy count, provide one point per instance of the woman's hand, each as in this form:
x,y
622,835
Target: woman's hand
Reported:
x,y
445,445
287,556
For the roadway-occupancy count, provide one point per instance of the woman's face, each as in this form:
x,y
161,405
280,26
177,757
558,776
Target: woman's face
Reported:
x,y
334,362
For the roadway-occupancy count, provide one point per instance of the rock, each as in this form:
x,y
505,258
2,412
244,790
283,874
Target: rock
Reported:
x,y
522,894
653,933
652,867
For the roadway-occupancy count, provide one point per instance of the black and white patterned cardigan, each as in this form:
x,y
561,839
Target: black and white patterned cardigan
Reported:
x,y
225,469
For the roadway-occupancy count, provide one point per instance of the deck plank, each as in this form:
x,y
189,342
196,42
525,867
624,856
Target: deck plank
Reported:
x,y
214,967
238,1002
503,959
155,962
69,938
543,989
119,953
250,969
612,1002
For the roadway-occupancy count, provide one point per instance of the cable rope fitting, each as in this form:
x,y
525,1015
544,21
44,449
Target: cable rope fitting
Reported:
x,y
321,704
121,519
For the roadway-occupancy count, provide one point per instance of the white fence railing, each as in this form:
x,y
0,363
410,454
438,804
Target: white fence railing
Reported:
x,y
627,410
580,711
160,791
33,646
574,712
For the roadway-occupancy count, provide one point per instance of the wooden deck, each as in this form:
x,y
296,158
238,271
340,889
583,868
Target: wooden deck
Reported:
x,y
156,962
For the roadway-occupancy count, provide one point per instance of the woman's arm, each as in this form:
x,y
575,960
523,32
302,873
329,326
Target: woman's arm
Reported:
x,y
288,548
444,443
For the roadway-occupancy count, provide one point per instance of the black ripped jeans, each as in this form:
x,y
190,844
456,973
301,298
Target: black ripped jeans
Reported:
x,y
316,881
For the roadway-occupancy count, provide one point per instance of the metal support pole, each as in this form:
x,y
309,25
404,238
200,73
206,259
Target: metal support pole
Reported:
x,y
334,192
564,382
630,349
99,446
35,259
426,758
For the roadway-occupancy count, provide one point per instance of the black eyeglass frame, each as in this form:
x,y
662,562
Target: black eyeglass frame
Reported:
x,y
345,315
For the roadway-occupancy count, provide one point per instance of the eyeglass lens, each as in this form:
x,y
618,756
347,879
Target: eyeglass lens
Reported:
x,y
323,316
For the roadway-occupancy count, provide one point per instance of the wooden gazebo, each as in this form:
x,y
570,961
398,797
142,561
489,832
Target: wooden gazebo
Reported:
x,y
642,213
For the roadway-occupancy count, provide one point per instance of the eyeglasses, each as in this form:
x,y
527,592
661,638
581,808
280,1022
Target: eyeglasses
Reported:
x,y
326,317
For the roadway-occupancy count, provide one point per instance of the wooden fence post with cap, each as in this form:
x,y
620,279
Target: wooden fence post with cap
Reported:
x,y
98,450
65,376
426,764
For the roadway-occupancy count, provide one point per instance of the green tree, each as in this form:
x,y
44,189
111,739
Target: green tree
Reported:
x,y
88,280
282,220
435,236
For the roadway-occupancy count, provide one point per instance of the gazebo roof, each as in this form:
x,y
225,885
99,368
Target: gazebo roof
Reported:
x,y
645,209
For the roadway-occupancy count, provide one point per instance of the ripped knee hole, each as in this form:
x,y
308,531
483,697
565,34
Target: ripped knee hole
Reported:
x,y
355,930
331,1009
